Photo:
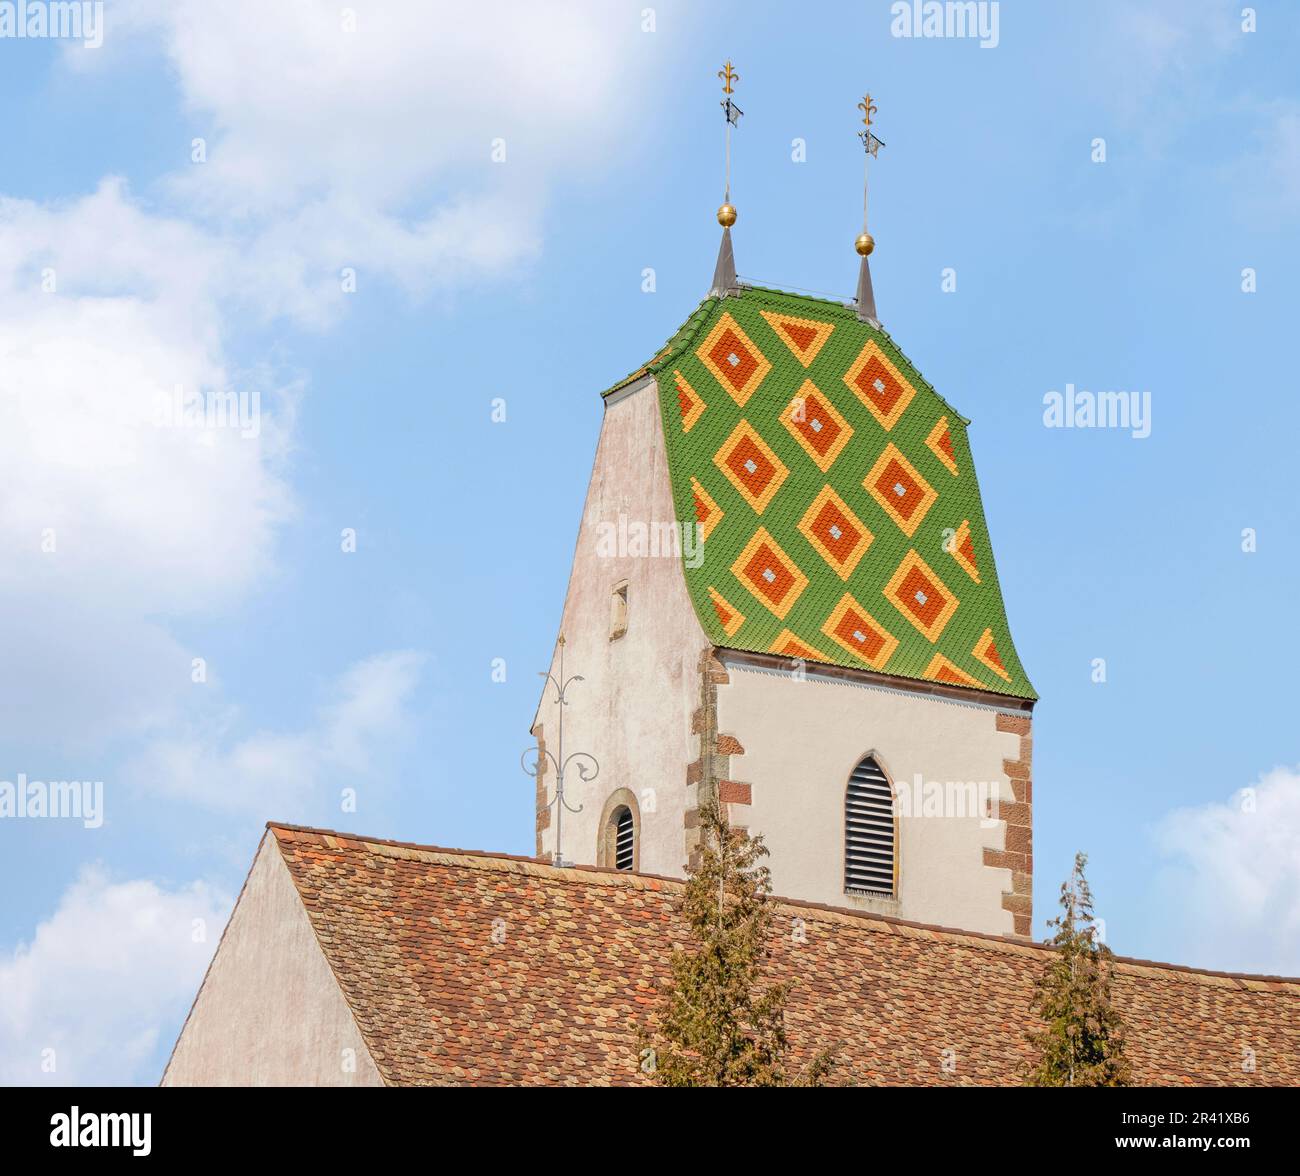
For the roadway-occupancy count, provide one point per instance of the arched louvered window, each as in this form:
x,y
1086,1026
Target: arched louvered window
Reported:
x,y
616,835
624,839
869,832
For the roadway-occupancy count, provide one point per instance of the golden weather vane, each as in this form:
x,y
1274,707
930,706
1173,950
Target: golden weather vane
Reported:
x,y
727,213
865,242
869,141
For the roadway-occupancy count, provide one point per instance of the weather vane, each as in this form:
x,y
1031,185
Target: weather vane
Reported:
x,y
869,141
727,213
865,243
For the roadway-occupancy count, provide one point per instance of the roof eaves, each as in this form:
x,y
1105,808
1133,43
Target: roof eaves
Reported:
x,y
1009,699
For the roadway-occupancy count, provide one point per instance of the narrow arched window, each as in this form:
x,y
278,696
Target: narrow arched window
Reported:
x,y
870,852
617,847
624,839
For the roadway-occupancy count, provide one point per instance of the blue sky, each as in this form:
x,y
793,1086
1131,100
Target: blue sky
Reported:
x,y
371,149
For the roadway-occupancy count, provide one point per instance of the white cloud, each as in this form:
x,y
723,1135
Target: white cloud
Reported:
x,y
175,518
302,105
370,146
293,265
105,979
280,775
110,517
1232,889
327,148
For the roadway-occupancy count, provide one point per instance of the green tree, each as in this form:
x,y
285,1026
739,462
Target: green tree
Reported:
x,y
718,1024
1082,1039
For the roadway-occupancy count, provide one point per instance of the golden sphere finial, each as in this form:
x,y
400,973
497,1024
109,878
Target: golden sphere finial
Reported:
x,y
864,244
727,215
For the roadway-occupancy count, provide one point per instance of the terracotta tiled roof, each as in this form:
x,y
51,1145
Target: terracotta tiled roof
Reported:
x,y
463,967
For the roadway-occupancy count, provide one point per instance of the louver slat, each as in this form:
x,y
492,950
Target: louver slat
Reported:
x,y
869,832
623,841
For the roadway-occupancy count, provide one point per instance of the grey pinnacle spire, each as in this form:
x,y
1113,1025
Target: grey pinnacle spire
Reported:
x,y
724,273
866,297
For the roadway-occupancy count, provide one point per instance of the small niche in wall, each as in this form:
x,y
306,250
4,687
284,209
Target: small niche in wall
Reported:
x,y
618,611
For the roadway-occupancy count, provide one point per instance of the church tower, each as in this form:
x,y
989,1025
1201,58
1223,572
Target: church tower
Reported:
x,y
783,596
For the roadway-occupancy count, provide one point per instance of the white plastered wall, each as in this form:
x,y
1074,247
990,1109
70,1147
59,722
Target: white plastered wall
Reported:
x,y
802,739
633,709
270,1012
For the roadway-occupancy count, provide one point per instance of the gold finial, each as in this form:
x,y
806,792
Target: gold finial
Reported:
x,y
868,108
729,78
727,215
864,244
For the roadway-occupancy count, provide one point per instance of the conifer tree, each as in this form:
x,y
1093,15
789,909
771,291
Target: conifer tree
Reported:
x,y
1082,1039
718,1024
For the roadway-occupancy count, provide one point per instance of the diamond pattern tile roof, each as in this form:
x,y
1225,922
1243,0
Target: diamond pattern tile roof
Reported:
x,y
840,508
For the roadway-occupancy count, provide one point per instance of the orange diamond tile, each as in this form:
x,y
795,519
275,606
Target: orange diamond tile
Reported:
x,y
962,550
813,421
688,401
771,575
940,444
788,645
733,360
751,466
728,616
851,627
875,381
805,337
839,536
901,491
707,512
921,596
986,652
941,669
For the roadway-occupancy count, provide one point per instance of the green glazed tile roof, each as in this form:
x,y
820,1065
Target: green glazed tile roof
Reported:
x,y
835,488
